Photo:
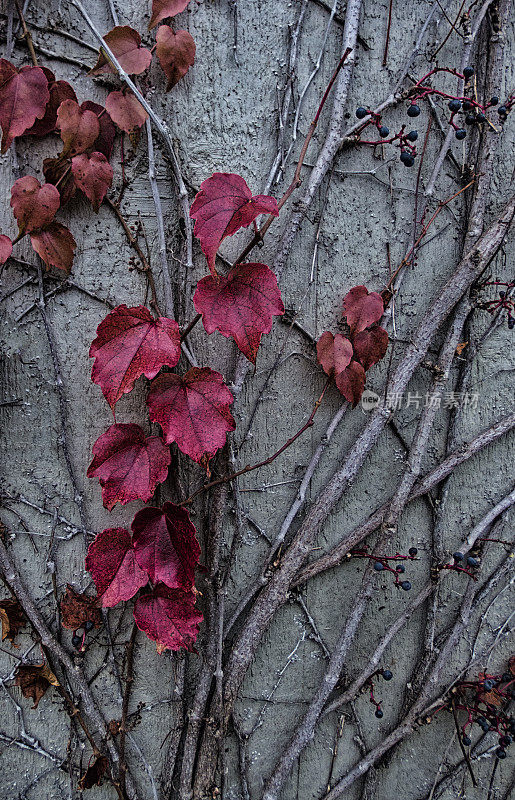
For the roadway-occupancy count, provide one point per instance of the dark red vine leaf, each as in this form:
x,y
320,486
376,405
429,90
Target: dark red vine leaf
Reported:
x,y
55,245
125,44
93,175
126,111
370,345
6,248
242,305
23,98
33,205
362,308
77,608
78,127
176,53
94,774
111,559
128,465
351,382
168,617
193,411
105,139
166,545
58,172
12,618
161,9
223,205
131,342
334,353
34,680
59,91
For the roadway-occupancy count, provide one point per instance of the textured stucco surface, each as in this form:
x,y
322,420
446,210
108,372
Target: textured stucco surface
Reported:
x,y
223,118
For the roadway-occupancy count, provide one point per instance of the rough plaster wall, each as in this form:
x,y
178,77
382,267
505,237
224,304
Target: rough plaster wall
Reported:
x,y
224,118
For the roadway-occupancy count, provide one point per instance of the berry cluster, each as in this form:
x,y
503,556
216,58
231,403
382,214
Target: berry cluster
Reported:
x,y
505,300
79,635
381,564
387,675
401,139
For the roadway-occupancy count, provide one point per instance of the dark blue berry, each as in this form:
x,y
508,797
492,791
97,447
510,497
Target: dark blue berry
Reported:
x,y
467,741
413,110
88,625
454,105
505,741
361,112
500,753
378,566
407,159
387,674
511,323
502,295
406,585
480,117
76,640
488,685
468,72
460,133
383,131
412,551
467,105
481,721
472,562
502,110
400,568
470,119
457,556
379,713
412,136
494,100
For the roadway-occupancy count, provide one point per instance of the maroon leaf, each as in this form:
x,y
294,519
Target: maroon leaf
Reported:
x,y
79,128
370,345
55,245
351,382
23,98
128,465
193,411
34,680
78,608
223,205
334,353
12,618
362,308
168,617
6,248
104,141
94,774
176,53
34,206
161,9
125,44
130,343
166,546
93,175
242,305
126,111
58,172
112,563
59,92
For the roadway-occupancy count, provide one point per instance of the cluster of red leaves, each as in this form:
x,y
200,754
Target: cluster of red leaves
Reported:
x,y
348,358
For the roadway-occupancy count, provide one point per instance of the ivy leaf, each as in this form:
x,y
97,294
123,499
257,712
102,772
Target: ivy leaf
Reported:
x,y
193,410
241,304
23,98
93,175
6,248
55,245
128,465
166,546
34,680
13,619
161,9
370,345
79,128
59,92
223,205
351,382
168,617
131,342
176,53
33,205
125,44
126,111
105,139
362,308
94,774
78,608
334,353
112,563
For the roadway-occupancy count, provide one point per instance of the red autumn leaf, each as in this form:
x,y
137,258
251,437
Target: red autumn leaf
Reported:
x,y
59,91
242,305
93,175
193,410
131,342
362,308
6,248
128,465
55,245
334,353
126,111
78,127
94,774
176,53
223,205
12,618
370,345
161,9
168,617
351,382
166,546
105,139
34,680
112,563
23,98
34,206
125,44
57,171
78,608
